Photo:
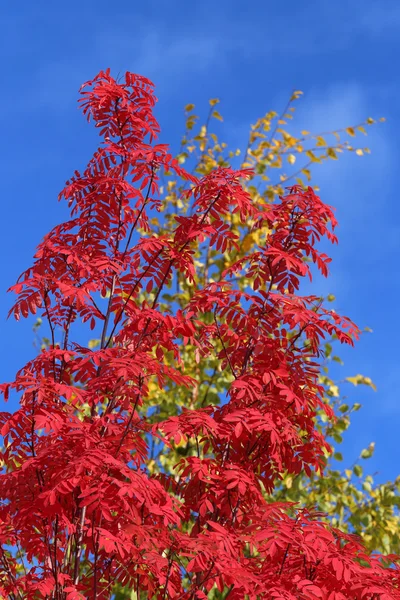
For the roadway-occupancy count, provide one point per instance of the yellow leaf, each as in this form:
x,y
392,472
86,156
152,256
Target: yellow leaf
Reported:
x,y
362,129
361,380
312,156
216,115
189,107
333,391
291,159
350,131
331,153
151,465
359,152
214,101
247,242
370,121
289,482
289,139
321,141
296,94
304,132
181,158
190,121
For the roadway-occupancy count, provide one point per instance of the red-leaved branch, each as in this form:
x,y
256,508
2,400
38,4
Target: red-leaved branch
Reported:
x,y
81,513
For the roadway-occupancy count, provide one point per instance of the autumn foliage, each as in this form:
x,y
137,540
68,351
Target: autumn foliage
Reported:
x,y
82,513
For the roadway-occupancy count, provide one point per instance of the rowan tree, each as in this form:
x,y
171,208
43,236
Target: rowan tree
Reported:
x,y
88,508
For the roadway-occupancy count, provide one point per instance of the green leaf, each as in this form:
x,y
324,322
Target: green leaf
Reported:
x,y
367,486
368,452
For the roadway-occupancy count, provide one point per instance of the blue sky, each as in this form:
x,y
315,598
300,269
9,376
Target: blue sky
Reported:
x,y
342,54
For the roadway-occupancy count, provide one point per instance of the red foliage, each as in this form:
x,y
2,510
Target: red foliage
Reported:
x,y
78,502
